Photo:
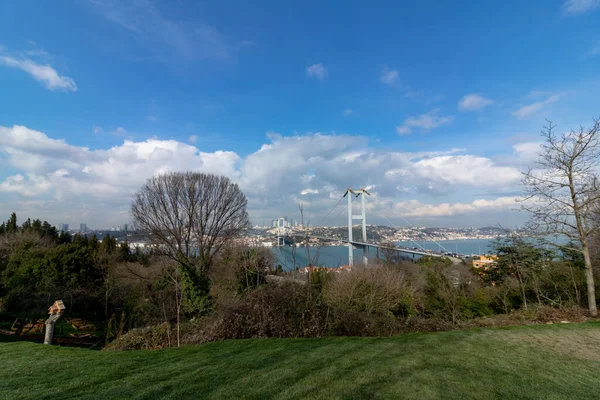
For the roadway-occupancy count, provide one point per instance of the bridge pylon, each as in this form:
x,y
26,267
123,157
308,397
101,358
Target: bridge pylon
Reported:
x,y
352,194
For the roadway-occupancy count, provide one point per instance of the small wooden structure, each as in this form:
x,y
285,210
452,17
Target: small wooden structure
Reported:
x,y
57,308
80,324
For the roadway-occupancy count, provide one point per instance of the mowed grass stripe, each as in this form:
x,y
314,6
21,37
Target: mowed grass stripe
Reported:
x,y
547,361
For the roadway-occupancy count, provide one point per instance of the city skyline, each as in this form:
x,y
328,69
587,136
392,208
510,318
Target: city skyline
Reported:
x,y
437,117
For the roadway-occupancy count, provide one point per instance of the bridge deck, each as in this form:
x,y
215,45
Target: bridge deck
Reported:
x,y
363,244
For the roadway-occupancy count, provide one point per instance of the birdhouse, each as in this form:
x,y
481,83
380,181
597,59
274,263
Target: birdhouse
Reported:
x,y
57,308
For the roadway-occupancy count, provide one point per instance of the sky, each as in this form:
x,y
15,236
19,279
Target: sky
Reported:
x,y
432,106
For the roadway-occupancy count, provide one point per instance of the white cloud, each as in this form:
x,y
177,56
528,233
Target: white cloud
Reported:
x,y
193,139
530,109
580,6
473,102
317,70
467,170
527,152
43,73
536,94
76,182
166,37
347,112
119,131
31,187
403,130
425,122
389,77
594,51
415,208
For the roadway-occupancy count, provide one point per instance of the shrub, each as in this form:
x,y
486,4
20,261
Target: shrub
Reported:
x,y
353,323
241,269
453,294
154,337
376,290
283,310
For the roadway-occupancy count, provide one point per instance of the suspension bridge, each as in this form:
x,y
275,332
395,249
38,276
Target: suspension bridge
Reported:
x,y
363,244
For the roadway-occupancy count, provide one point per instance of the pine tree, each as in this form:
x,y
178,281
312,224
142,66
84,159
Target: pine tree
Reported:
x,y
11,225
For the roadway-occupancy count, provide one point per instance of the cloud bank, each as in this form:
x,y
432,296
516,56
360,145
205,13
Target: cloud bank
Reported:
x,y
76,184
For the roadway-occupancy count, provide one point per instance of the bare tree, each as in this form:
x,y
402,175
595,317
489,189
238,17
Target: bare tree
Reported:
x,y
173,272
190,215
563,190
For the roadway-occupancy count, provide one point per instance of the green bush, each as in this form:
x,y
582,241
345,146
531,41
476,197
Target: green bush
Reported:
x,y
273,310
376,290
154,337
452,293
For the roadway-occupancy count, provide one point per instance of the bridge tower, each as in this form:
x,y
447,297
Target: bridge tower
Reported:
x,y
354,193
280,231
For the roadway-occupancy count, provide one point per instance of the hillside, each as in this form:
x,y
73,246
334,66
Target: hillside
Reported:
x,y
547,361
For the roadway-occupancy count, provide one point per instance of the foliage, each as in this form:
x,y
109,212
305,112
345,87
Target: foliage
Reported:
x,y
149,338
452,293
242,296
284,310
195,288
516,258
430,261
377,290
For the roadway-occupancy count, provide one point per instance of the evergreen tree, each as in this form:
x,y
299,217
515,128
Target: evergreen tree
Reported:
x,y
124,252
571,253
36,225
26,225
49,230
64,238
11,225
517,258
108,245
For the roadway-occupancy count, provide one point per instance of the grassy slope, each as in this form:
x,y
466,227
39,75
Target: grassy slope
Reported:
x,y
548,361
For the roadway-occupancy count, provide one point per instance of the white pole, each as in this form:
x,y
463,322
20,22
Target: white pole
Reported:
x,y
350,255
364,226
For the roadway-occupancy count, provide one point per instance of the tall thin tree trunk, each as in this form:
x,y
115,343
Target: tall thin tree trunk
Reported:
x,y
589,277
577,295
178,325
522,291
167,323
537,290
178,300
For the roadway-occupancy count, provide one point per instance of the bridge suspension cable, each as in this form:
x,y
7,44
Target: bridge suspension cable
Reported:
x,y
412,226
330,211
394,226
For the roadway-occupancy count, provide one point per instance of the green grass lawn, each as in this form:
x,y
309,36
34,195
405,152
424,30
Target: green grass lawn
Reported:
x,y
541,362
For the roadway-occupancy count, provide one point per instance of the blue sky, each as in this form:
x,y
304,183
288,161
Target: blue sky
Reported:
x,y
435,107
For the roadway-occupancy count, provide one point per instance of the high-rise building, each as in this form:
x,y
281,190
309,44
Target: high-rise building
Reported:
x,y
82,228
63,227
125,226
